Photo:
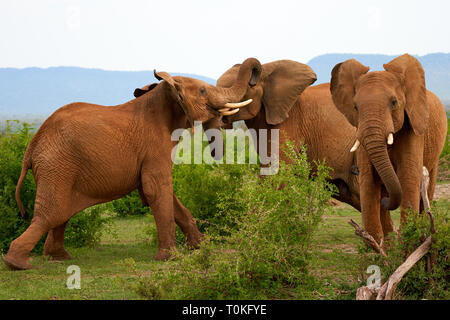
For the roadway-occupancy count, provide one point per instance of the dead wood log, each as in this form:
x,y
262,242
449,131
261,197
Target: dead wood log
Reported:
x,y
432,258
365,293
387,290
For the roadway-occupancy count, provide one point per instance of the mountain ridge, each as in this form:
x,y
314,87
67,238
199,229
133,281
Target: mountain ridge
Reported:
x,y
435,65
34,90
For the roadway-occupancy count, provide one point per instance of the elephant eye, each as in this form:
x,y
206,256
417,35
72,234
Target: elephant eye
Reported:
x,y
202,90
356,107
394,102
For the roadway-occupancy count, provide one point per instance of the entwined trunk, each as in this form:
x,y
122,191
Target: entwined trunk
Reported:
x,y
249,74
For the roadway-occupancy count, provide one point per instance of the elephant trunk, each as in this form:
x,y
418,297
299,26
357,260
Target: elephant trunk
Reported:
x,y
249,74
375,145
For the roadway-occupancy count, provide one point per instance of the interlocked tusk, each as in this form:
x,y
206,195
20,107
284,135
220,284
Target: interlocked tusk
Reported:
x,y
238,104
229,113
355,146
390,139
224,110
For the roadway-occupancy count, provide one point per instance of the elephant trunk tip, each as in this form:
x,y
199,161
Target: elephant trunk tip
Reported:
x,y
391,203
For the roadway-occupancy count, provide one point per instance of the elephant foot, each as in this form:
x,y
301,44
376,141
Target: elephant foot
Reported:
x,y
195,241
60,255
16,264
163,255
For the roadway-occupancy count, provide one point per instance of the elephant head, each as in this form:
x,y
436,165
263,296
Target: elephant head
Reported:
x,y
280,84
379,104
204,102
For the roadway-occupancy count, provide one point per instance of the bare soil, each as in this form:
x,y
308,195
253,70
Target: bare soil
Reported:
x,y
442,191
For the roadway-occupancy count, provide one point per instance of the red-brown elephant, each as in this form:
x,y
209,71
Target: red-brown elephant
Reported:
x,y
283,99
86,154
401,127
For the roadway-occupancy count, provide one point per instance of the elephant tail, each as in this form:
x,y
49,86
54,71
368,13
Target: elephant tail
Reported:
x,y
25,166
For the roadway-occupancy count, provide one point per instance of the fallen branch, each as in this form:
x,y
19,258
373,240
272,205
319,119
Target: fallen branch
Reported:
x,y
365,293
387,290
432,258
424,189
359,231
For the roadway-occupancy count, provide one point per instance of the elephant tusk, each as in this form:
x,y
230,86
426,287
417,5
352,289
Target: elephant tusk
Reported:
x,y
229,113
390,139
224,109
238,104
355,146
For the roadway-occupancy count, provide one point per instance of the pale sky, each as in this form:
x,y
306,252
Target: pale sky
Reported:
x,y
206,37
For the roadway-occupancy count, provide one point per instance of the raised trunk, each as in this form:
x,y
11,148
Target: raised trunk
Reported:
x,y
249,74
375,145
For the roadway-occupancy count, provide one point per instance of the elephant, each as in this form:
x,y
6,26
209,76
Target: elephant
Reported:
x,y
86,154
284,99
401,127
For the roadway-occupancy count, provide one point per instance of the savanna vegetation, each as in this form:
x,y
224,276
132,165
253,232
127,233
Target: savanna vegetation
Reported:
x,y
262,241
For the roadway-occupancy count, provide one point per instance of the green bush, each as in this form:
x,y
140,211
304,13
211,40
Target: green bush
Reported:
x,y
419,282
129,205
209,192
267,256
83,229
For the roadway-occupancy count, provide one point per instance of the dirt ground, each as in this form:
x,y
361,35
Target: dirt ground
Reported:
x,y
442,191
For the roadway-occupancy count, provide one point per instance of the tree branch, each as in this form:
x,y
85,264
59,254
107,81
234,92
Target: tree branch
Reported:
x,y
359,231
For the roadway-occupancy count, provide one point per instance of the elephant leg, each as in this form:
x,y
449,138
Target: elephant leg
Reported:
x,y
19,250
54,244
370,195
160,198
409,169
186,222
142,196
385,217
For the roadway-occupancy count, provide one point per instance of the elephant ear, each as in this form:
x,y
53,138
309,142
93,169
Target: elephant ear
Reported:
x,y
140,91
343,80
411,72
284,81
176,89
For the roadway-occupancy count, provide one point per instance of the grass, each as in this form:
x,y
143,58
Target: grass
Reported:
x,y
108,271
112,269
335,255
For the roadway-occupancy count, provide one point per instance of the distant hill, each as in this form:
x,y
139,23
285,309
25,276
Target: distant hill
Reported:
x,y
37,91
436,66
42,91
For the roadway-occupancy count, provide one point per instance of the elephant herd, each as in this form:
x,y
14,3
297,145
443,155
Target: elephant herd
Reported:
x,y
376,130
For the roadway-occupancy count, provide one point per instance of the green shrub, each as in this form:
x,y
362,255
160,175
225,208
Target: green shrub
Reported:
x,y
209,191
88,226
129,205
419,282
83,229
267,255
